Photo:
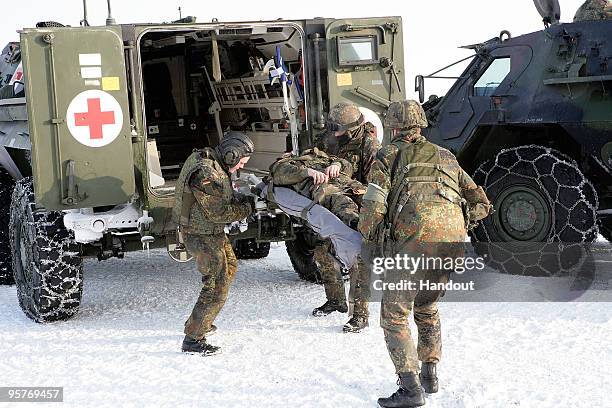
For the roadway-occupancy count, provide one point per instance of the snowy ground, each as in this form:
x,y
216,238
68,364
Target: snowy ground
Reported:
x,y
123,348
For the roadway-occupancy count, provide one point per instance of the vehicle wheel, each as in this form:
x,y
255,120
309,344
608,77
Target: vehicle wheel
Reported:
x,y
249,249
6,189
46,261
301,254
539,196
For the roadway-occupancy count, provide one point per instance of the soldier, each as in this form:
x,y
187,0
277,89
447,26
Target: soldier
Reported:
x,y
338,193
204,203
305,175
351,138
594,10
417,191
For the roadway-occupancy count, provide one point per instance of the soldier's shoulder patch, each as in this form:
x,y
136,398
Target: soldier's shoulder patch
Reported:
x,y
207,174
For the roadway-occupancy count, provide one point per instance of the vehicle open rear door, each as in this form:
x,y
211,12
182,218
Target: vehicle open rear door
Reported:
x,y
79,121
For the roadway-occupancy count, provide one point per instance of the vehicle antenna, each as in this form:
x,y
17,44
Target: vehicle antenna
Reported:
x,y
84,21
110,20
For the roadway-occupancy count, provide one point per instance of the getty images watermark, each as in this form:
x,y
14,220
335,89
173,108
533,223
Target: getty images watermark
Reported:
x,y
402,264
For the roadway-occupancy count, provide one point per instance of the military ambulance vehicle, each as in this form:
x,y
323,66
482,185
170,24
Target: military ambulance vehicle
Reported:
x,y
96,122
531,118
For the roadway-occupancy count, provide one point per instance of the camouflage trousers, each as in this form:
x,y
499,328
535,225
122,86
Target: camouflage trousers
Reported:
x,y
217,263
339,203
359,294
330,275
395,310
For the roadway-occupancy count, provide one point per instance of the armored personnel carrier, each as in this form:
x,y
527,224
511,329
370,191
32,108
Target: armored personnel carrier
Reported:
x,y
531,118
95,129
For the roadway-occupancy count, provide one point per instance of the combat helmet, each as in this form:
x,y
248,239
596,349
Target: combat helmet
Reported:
x,y
233,147
344,117
405,115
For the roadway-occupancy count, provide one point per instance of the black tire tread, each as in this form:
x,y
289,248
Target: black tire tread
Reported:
x,y
249,249
301,255
571,226
55,264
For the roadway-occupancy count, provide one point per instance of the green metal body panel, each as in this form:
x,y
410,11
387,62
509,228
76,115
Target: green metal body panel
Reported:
x,y
59,64
374,78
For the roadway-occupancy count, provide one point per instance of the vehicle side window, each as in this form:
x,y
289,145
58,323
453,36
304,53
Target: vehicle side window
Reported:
x,y
492,77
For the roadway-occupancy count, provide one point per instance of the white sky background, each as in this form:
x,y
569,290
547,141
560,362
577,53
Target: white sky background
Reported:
x,y
432,29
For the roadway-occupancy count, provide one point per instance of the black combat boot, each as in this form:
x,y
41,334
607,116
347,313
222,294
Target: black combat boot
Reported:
x,y
329,307
191,345
428,377
409,394
355,324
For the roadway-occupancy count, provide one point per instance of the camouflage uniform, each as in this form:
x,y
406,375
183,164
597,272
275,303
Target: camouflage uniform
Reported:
x,y
416,190
339,196
205,202
358,146
594,10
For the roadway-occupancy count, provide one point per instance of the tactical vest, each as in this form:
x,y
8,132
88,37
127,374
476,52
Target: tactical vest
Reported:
x,y
418,175
187,211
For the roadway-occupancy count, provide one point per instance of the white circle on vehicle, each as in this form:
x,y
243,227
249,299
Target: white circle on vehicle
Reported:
x,y
94,118
370,116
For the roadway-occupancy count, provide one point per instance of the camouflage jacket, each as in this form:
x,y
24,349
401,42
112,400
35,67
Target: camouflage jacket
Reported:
x,y
291,171
204,198
359,149
339,195
421,194
594,10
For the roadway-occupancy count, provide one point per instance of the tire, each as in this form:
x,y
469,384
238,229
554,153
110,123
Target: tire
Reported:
x,y
249,249
301,255
542,202
6,189
46,260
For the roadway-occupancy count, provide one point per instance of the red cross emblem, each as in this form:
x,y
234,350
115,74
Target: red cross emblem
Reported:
x,y
94,118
